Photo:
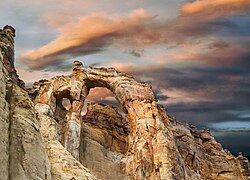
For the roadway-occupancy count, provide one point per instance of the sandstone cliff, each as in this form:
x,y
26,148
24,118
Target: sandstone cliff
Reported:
x,y
43,139
23,155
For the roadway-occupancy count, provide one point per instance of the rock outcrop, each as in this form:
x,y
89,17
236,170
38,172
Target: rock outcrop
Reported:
x,y
204,158
23,154
45,136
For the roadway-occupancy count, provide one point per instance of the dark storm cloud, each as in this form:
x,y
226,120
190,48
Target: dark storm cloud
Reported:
x,y
234,141
195,78
135,53
223,53
215,89
160,96
238,25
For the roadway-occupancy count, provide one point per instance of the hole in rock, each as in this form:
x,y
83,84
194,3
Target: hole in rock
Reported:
x,y
62,107
103,96
66,103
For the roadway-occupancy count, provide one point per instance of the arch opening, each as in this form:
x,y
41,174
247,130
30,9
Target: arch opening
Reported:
x,y
104,135
66,103
102,95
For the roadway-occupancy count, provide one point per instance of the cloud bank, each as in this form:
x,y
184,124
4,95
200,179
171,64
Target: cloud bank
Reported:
x,y
89,35
95,33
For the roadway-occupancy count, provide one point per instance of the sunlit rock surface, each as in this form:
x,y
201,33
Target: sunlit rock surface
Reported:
x,y
23,154
45,136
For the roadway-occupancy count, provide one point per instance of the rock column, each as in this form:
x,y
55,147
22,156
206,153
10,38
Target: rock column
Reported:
x,y
78,92
147,156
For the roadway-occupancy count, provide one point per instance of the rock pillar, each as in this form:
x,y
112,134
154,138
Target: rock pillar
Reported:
x,y
72,129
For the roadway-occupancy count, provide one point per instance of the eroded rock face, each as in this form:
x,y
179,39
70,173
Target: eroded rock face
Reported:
x,y
104,141
204,158
27,156
7,50
23,154
111,122
4,123
63,164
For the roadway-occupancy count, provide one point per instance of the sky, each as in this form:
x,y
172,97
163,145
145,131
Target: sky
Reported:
x,y
195,54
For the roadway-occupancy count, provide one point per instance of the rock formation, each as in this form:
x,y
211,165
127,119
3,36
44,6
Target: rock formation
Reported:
x,y
41,138
23,155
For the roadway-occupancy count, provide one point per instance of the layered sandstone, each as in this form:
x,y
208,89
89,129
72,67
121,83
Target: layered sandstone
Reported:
x,y
23,154
45,136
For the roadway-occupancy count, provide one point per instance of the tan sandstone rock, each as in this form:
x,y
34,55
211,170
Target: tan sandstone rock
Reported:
x,y
4,124
23,154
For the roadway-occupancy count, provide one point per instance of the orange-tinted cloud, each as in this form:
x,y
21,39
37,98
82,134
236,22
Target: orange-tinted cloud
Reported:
x,y
138,30
215,7
89,35
100,93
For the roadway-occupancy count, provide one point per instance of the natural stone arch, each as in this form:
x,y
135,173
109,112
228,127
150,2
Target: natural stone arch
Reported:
x,y
141,109
198,155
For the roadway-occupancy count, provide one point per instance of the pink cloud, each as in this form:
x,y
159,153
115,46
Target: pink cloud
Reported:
x,y
215,7
100,93
88,35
